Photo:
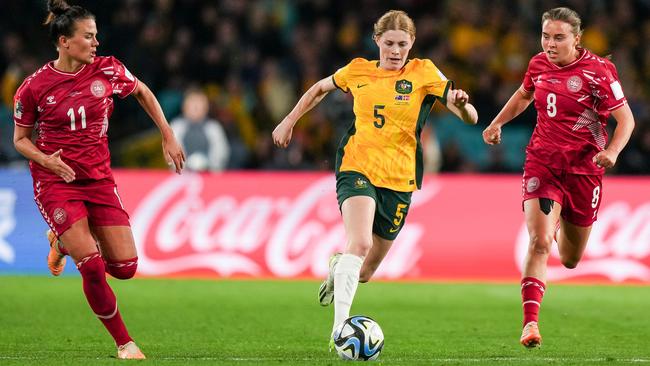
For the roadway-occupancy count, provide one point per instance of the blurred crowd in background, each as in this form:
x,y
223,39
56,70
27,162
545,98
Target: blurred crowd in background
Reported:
x,y
244,64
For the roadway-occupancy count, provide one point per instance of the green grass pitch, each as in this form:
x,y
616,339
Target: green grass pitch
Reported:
x,y
46,321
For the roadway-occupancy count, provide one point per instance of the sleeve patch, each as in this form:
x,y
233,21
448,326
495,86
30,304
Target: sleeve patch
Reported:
x,y
18,109
617,90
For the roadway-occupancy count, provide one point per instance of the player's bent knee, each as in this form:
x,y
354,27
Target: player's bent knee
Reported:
x,y
570,263
122,270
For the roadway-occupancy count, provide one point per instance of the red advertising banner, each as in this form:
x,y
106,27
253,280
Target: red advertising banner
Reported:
x,y
288,224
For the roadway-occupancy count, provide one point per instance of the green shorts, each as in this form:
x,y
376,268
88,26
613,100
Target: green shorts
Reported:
x,y
392,206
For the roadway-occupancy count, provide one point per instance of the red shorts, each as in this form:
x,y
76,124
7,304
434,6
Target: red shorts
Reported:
x,y
63,204
579,195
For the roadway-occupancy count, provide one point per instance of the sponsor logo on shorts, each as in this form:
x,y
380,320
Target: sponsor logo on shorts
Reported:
x,y
574,84
60,215
360,183
532,185
97,88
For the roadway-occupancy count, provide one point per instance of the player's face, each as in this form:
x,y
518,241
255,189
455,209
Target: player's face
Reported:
x,y
82,46
394,47
558,42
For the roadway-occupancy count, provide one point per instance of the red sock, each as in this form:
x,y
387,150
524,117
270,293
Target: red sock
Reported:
x,y
101,298
532,291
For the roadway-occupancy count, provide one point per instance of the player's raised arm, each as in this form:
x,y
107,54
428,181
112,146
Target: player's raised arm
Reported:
x,y
517,103
458,104
172,150
311,98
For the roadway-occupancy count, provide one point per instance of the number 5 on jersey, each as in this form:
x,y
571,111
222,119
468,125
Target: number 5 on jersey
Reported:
x,y
379,118
82,114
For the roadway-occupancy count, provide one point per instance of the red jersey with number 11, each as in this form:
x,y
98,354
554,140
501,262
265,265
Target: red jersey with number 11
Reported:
x,y
70,111
573,103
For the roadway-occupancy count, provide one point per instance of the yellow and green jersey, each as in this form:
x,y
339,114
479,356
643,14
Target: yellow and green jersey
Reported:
x,y
391,108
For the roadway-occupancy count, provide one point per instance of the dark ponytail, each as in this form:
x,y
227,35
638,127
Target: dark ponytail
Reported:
x,y
61,18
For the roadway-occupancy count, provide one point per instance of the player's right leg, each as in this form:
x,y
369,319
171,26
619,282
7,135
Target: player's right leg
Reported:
x,y
81,245
358,215
541,217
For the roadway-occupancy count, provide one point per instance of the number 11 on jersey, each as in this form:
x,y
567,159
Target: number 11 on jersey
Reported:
x,y
82,113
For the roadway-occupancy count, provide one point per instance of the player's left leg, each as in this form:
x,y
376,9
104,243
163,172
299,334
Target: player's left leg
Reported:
x,y
584,194
380,248
118,249
56,256
572,242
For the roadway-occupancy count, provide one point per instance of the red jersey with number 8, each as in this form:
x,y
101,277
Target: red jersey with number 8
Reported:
x,y
573,103
70,111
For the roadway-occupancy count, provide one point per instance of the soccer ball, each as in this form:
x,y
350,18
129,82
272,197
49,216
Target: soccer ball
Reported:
x,y
358,338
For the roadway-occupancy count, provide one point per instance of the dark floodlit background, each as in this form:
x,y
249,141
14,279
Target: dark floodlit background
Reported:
x,y
255,58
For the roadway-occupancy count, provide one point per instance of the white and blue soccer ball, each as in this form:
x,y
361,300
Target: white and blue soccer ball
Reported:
x,y
358,338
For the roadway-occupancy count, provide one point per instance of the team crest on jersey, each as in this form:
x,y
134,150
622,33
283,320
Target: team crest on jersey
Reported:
x,y
532,185
360,183
18,109
97,88
60,215
574,84
50,99
403,86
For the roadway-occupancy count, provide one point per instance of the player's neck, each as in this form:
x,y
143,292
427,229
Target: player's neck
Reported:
x,y
575,55
67,64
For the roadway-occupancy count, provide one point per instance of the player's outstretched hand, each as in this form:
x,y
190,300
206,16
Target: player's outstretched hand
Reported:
x,y
492,134
605,159
282,133
174,154
55,164
458,97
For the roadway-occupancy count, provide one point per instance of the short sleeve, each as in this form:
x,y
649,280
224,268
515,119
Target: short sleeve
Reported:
x,y
340,78
608,88
25,107
527,83
436,83
122,81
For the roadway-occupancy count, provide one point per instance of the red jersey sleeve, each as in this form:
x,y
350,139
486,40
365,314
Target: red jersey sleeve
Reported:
x,y
528,83
608,88
25,106
122,81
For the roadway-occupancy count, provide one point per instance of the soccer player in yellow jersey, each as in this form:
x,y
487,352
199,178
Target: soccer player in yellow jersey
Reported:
x,y
379,161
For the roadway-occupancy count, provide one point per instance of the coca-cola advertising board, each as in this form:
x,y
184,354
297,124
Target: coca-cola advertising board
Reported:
x,y
286,225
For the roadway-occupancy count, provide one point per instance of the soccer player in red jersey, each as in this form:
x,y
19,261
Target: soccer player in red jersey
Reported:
x,y
69,101
574,91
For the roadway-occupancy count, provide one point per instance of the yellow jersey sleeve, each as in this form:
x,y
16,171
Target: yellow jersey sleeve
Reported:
x,y
435,81
344,75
